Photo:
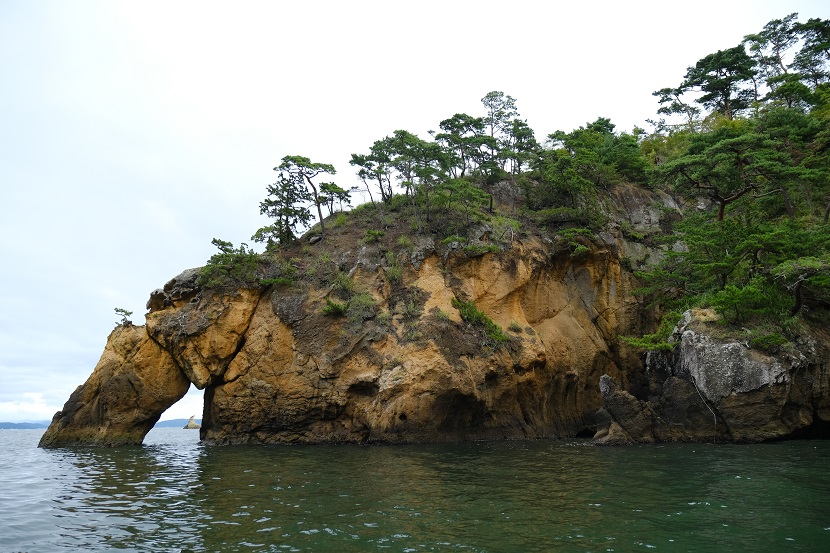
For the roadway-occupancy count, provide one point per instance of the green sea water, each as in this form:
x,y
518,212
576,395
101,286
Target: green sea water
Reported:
x,y
174,494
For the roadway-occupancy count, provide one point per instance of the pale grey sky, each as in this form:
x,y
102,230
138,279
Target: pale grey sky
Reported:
x,y
134,132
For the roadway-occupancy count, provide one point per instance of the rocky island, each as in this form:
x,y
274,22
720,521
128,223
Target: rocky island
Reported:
x,y
671,285
406,362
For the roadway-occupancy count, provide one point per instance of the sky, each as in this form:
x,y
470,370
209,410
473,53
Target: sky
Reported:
x,y
132,133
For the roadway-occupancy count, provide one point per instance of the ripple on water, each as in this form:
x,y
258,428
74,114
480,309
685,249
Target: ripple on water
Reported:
x,y
176,495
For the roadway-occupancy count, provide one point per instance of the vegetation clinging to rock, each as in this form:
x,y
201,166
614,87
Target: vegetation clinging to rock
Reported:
x,y
743,146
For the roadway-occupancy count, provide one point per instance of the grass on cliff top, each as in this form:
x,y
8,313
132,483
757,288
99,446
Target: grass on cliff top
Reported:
x,y
393,226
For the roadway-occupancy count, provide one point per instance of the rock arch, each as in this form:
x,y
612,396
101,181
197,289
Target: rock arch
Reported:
x,y
134,382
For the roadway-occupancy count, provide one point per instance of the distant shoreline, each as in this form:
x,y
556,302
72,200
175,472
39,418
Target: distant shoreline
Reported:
x,y
172,423
23,425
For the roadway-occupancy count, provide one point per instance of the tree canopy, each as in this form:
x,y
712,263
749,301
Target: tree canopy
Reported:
x,y
743,144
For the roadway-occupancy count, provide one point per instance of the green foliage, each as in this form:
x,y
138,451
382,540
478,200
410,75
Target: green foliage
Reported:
x,y
361,307
411,310
658,341
814,269
805,275
514,327
472,315
504,228
592,156
372,236
324,257
343,285
339,220
716,254
334,308
285,204
580,250
724,78
571,233
461,194
376,168
393,269
466,143
770,343
752,154
331,194
409,303
739,304
741,160
278,272
399,202
663,145
762,71
405,242
570,236
125,316
230,266
629,232
412,334
384,318
453,238
556,216
300,172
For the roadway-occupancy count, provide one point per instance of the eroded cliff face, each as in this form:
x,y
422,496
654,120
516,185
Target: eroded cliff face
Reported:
x,y
279,369
276,368
277,365
720,390
131,386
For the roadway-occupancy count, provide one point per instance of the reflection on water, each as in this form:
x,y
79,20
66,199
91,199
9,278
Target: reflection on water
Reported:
x,y
120,498
174,494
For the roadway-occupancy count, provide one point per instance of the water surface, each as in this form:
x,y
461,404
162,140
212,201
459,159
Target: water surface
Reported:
x,y
174,494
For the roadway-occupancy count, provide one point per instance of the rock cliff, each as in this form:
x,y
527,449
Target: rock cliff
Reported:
x,y
718,389
276,367
130,387
370,345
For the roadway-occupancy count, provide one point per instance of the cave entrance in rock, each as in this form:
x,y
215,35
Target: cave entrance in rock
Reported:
x,y
190,405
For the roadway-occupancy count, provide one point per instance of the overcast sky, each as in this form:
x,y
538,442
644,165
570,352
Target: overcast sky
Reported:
x,y
134,132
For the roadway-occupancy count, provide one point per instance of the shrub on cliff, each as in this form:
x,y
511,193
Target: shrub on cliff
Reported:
x,y
361,307
658,341
738,304
125,316
472,315
230,266
335,308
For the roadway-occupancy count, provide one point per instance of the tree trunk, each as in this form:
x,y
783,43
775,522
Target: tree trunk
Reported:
x,y
369,190
788,203
799,300
426,199
319,211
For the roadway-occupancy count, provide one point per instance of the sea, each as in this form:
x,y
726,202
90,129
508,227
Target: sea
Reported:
x,y
174,494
